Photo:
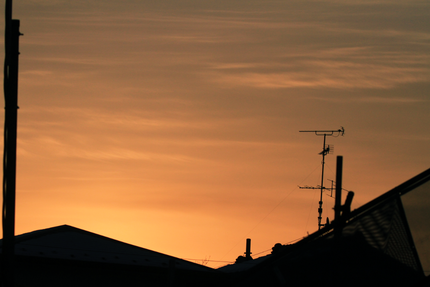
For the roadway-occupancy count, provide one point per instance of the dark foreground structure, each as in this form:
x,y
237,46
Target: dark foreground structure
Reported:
x,y
371,246
383,243
68,256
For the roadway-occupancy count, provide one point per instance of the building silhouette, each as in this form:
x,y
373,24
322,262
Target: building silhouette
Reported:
x,y
378,244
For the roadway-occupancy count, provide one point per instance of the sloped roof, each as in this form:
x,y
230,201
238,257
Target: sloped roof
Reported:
x,y
243,266
384,224
370,246
71,243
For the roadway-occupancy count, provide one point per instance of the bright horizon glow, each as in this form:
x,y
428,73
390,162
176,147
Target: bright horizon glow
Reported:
x,y
175,126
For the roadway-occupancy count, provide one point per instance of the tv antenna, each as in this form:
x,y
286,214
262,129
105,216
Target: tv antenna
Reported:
x,y
333,184
327,149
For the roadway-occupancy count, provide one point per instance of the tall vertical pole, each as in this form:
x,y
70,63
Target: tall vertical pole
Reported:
x,y
326,150
10,137
320,209
338,196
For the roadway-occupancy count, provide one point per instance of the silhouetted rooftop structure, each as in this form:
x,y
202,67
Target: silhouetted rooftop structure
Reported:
x,y
69,256
371,246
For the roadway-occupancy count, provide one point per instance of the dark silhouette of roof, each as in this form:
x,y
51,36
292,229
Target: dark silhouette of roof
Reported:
x,y
69,256
71,243
370,246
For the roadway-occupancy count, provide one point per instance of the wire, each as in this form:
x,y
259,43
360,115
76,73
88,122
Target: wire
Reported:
x,y
264,217
310,209
206,260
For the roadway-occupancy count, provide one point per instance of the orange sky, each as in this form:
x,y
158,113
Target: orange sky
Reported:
x,y
174,125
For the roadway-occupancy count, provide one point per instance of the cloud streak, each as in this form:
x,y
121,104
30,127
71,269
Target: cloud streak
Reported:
x,y
157,117
336,75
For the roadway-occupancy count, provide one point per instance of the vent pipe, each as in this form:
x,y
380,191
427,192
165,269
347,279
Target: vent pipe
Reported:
x,y
338,195
248,249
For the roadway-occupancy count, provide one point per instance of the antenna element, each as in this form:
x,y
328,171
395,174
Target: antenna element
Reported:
x,y
327,149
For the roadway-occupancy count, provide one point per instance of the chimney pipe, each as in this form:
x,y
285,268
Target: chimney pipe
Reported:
x,y
338,196
248,249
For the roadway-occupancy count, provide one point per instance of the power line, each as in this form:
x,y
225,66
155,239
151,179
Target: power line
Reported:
x,y
264,217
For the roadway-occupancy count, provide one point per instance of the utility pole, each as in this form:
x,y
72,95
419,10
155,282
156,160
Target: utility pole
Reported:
x,y
10,135
325,151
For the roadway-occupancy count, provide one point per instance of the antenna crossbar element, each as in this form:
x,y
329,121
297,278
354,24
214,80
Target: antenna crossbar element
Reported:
x,y
339,132
325,150
312,187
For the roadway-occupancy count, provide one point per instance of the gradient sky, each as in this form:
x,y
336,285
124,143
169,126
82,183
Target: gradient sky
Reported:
x,y
174,125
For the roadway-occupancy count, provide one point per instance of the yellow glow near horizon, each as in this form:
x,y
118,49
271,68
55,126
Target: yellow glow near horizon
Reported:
x,y
175,126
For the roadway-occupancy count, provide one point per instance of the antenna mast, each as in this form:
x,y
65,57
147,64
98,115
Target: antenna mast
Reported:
x,y
326,150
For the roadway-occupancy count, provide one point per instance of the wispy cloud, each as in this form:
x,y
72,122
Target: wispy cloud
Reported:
x,y
392,100
186,108
335,75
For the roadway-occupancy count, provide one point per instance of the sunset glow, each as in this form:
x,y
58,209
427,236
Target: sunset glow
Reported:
x,y
174,125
